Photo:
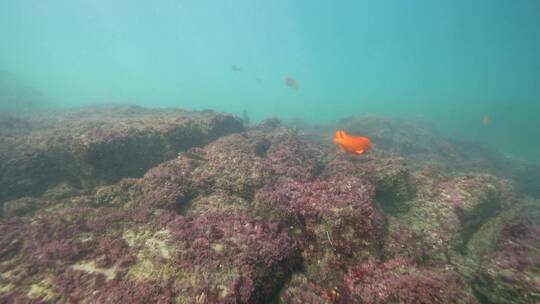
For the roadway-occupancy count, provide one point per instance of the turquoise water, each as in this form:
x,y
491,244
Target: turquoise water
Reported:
x,y
449,62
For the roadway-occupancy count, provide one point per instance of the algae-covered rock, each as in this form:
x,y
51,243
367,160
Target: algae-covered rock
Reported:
x,y
445,215
334,222
100,145
107,254
242,163
263,216
400,281
388,173
300,290
55,196
512,273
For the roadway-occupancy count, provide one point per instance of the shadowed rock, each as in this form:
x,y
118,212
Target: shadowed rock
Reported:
x,y
99,145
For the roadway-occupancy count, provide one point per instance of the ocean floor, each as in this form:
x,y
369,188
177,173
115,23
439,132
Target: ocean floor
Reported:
x,y
123,204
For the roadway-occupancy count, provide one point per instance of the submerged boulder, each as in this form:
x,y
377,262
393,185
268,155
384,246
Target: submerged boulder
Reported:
x,y
444,215
100,145
400,281
388,173
108,255
299,290
333,220
511,273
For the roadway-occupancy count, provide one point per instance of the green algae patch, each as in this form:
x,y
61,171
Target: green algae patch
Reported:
x,y
484,241
5,288
148,244
153,254
221,201
43,290
436,226
142,270
91,268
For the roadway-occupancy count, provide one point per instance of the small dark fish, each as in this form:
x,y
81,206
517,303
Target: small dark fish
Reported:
x,y
291,82
236,68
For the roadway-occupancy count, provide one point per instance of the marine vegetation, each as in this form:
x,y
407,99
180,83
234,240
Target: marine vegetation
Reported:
x,y
211,212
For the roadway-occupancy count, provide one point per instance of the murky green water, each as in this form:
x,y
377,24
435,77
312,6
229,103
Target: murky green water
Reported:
x,y
449,62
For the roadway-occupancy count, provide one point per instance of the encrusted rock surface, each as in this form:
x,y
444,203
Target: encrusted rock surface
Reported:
x,y
268,216
97,145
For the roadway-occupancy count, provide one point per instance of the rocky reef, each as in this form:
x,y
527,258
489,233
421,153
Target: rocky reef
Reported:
x,y
263,215
97,145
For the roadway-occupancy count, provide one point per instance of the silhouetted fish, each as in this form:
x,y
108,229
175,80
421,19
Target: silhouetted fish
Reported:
x,y
486,120
291,82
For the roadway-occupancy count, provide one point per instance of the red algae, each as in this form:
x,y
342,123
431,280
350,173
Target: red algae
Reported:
x,y
268,215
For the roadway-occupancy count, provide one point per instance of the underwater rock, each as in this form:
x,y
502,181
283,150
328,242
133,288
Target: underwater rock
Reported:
x,y
334,222
106,254
242,163
11,125
444,215
400,281
19,206
168,185
61,194
511,274
272,215
119,194
526,177
218,201
100,145
388,173
300,290
234,166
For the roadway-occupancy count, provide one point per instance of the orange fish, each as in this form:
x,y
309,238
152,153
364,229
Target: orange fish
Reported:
x,y
356,145
486,120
